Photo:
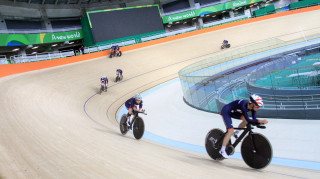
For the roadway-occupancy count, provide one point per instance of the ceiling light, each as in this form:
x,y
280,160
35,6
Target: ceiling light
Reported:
x,y
16,49
35,47
54,45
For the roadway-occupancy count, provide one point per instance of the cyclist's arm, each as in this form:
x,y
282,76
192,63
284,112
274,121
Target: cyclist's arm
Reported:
x,y
245,114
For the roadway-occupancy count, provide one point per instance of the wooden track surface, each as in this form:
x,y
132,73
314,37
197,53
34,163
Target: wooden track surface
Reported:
x,y
46,133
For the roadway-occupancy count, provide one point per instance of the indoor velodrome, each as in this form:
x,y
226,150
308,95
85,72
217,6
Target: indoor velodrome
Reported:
x,y
55,125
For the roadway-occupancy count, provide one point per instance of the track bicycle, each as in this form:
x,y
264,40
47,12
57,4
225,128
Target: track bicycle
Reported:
x,y
118,78
256,149
137,125
103,88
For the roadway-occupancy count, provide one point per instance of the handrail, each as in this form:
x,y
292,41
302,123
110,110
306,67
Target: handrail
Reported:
x,y
226,20
35,31
193,8
41,56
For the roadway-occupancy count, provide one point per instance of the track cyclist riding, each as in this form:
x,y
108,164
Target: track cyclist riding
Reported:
x,y
119,73
225,44
238,109
131,106
104,81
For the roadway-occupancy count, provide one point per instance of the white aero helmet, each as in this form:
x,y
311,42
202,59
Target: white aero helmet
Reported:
x,y
137,97
256,100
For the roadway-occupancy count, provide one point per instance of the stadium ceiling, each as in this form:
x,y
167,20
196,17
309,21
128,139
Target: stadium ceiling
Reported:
x,y
79,2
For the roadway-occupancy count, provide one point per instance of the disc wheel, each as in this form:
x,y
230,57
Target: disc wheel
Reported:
x,y
211,144
261,156
101,89
123,125
117,78
138,128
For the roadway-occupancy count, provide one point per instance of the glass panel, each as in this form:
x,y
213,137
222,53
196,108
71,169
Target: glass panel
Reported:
x,y
289,82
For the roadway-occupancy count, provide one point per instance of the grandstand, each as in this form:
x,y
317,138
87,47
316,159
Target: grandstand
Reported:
x,y
23,21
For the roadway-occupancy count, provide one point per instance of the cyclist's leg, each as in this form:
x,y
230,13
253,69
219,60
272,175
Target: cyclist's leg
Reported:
x,y
129,114
244,122
228,123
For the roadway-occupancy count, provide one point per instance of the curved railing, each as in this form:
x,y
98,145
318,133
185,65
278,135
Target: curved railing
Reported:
x,y
286,73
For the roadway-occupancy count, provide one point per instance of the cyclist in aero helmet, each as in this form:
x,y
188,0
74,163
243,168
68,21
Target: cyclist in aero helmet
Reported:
x,y
238,109
131,106
119,72
104,81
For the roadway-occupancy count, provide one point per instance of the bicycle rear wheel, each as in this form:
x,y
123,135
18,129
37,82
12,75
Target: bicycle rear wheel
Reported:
x,y
117,78
101,89
138,128
123,125
211,144
261,156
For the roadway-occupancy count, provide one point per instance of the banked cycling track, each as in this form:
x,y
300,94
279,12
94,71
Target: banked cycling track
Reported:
x,y
53,125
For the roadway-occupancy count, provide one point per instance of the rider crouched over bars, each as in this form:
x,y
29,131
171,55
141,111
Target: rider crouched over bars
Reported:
x,y
131,106
238,109
104,81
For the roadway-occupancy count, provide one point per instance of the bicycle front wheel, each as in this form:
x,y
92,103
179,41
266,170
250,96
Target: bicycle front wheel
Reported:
x,y
138,128
256,151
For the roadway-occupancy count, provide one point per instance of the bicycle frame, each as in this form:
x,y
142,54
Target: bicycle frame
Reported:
x,y
247,130
135,115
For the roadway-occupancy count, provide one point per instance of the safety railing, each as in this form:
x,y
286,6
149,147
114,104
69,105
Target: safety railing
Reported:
x,y
35,31
98,48
3,59
226,20
193,8
172,33
41,56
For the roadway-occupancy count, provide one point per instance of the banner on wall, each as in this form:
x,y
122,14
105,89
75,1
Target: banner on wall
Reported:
x,y
42,38
207,10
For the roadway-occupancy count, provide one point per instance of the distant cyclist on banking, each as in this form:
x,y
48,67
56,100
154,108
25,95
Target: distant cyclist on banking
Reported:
x,y
119,73
238,109
104,81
